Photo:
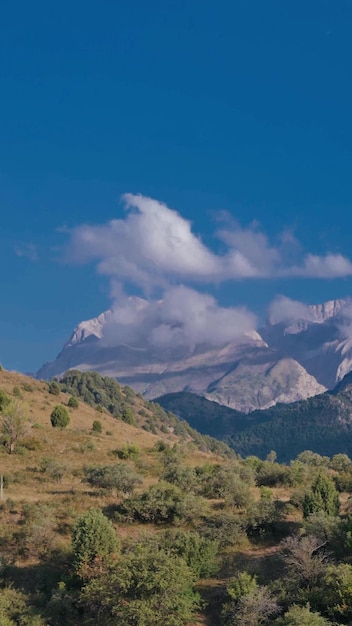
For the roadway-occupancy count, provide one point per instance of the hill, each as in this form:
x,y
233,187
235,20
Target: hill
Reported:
x,y
115,517
322,423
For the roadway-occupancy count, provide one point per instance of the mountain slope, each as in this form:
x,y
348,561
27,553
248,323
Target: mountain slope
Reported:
x,y
246,373
322,424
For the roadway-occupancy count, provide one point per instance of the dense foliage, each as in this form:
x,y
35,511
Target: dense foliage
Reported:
x,y
322,423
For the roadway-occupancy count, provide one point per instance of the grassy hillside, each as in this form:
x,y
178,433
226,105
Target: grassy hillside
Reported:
x,y
119,518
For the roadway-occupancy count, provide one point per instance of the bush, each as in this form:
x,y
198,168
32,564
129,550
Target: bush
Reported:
x,y
14,424
128,451
59,417
54,388
119,477
159,504
323,496
52,468
94,543
73,403
144,587
17,392
198,552
97,427
4,399
301,616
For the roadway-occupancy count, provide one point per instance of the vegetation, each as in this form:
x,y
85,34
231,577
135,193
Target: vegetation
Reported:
x,y
59,417
14,424
73,403
151,528
97,427
322,423
94,543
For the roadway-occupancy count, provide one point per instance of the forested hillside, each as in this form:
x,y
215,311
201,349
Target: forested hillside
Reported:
x,y
322,423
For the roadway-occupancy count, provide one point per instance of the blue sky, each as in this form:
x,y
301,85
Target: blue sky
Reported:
x,y
241,107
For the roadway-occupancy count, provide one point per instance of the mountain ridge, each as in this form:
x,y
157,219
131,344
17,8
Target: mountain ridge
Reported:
x,y
295,355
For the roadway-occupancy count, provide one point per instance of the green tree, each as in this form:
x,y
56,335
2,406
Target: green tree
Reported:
x,y
94,543
73,403
301,616
145,587
14,424
198,552
323,496
240,585
336,591
59,417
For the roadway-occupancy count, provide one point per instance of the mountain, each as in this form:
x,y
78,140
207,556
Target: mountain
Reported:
x,y
320,340
297,354
246,373
322,424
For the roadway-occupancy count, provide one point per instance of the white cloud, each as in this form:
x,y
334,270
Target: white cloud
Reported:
x,y
154,249
150,244
184,317
284,309
250,253
154,245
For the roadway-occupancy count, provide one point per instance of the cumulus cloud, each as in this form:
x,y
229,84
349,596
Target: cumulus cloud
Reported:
x,y
153,242
155,249
284,309
154,245
182,318
329,266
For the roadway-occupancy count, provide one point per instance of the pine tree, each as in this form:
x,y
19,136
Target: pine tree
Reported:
x,y
323,496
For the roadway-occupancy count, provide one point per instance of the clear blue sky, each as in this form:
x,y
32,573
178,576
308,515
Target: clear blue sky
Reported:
x,y
243,106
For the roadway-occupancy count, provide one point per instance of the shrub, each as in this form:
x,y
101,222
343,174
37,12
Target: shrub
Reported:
x,y
59,417
128,416
323,496
97,426
17,392
73,403
27,387
94,542
119,477
4,400
128,451
144,587
198,552
301,616
14,424
54,388
159,504
52,468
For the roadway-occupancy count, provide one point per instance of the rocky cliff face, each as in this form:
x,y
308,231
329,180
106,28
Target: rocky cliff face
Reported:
x,y
321,343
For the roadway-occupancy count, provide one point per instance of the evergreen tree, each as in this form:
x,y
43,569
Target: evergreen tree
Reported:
x,y
323,496
94,542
